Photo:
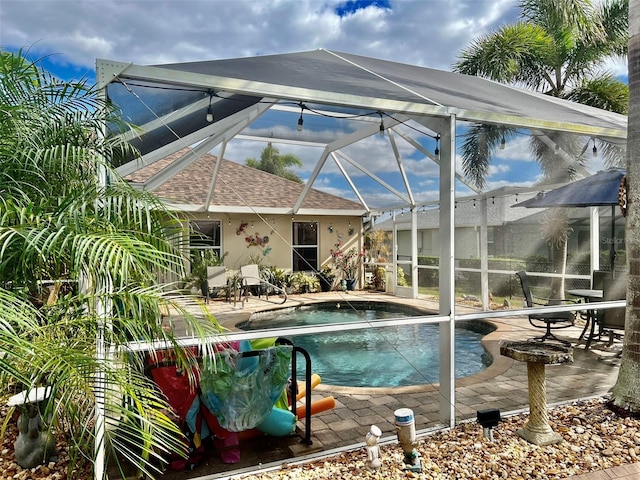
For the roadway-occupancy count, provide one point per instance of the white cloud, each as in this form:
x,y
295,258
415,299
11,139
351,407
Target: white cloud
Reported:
x,y
498,169
161,31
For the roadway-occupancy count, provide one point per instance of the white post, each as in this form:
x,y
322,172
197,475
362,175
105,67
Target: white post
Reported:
x,y
414,252
447,271
594,238
102,312
99,391
394,253
484,253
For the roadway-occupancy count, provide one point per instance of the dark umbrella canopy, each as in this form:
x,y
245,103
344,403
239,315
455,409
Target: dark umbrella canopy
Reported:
x,y
594,191
597,190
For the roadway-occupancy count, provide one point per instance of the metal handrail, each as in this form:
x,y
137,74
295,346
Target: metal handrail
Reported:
x,y
262,281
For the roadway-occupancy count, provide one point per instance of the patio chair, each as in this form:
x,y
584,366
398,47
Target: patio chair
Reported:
x,y
598,279
612,320
251,281
216,279
548,321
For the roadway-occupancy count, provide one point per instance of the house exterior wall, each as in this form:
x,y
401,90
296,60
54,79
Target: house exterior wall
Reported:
x,y
429,243
269,237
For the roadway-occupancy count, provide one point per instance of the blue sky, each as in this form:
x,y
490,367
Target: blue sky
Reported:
x,y
70,35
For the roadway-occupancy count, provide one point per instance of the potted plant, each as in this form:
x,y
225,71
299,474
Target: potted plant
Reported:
x,y
276,277
379,278
348,262
303,282
200,260
326,277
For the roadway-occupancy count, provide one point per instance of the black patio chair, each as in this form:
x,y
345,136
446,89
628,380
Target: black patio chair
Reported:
x,y
612,320
598,279
548,321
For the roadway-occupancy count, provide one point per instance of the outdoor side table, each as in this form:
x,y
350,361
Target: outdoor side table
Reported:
x,y
538,355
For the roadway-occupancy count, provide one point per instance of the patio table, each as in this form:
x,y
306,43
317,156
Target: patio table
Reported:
x,y
589,295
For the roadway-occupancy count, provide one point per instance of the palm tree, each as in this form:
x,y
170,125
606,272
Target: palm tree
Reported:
x,y
273,162
557,48
626,392
99,245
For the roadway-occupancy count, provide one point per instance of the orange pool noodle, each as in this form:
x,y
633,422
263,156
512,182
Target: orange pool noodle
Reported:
x,y
317,406
302,387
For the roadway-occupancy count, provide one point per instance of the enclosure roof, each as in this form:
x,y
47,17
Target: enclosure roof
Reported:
x,y
202,105
337,78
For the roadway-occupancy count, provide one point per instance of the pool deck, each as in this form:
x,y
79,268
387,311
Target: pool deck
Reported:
x,y
503,385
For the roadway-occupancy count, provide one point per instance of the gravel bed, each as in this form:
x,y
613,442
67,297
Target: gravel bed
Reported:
x,y
594,439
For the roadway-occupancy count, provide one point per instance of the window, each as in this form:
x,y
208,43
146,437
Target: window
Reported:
x,y
305,246
205,235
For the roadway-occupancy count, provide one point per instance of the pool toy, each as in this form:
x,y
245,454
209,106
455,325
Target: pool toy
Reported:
x,y
317,406
302,388
279,423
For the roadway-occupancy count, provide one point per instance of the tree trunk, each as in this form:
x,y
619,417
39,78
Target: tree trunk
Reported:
x,y
626,392
559,262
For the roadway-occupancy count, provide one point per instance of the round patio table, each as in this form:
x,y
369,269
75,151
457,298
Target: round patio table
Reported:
x,y
538,355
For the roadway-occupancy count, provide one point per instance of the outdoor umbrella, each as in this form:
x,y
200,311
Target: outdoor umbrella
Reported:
x,y
597,190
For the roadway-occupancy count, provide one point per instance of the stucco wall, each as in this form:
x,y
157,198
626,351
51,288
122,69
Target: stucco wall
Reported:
x,y
277,251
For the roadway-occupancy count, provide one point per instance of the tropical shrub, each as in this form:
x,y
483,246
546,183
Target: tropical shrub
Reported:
x,y
68,221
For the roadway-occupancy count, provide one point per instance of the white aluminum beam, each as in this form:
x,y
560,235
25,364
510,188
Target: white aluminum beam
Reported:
x,y
214,176
411,141
403,174
347,177
341,142
568,160
594,237
484,253
375,177
196,152
160,122
219,130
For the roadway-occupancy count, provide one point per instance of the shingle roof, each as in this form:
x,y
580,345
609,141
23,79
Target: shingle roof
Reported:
x,y
236,186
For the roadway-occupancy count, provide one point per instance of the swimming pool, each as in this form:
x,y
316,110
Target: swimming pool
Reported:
x,y
381,357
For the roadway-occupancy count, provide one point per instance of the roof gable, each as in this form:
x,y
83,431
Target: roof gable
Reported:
x,y
236,186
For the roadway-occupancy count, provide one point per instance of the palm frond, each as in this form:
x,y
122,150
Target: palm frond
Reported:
x,y
106,243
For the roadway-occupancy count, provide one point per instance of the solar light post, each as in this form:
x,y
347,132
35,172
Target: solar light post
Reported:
x,y
488,418
406,430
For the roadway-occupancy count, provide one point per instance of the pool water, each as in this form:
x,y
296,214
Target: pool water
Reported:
x,y
381,357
